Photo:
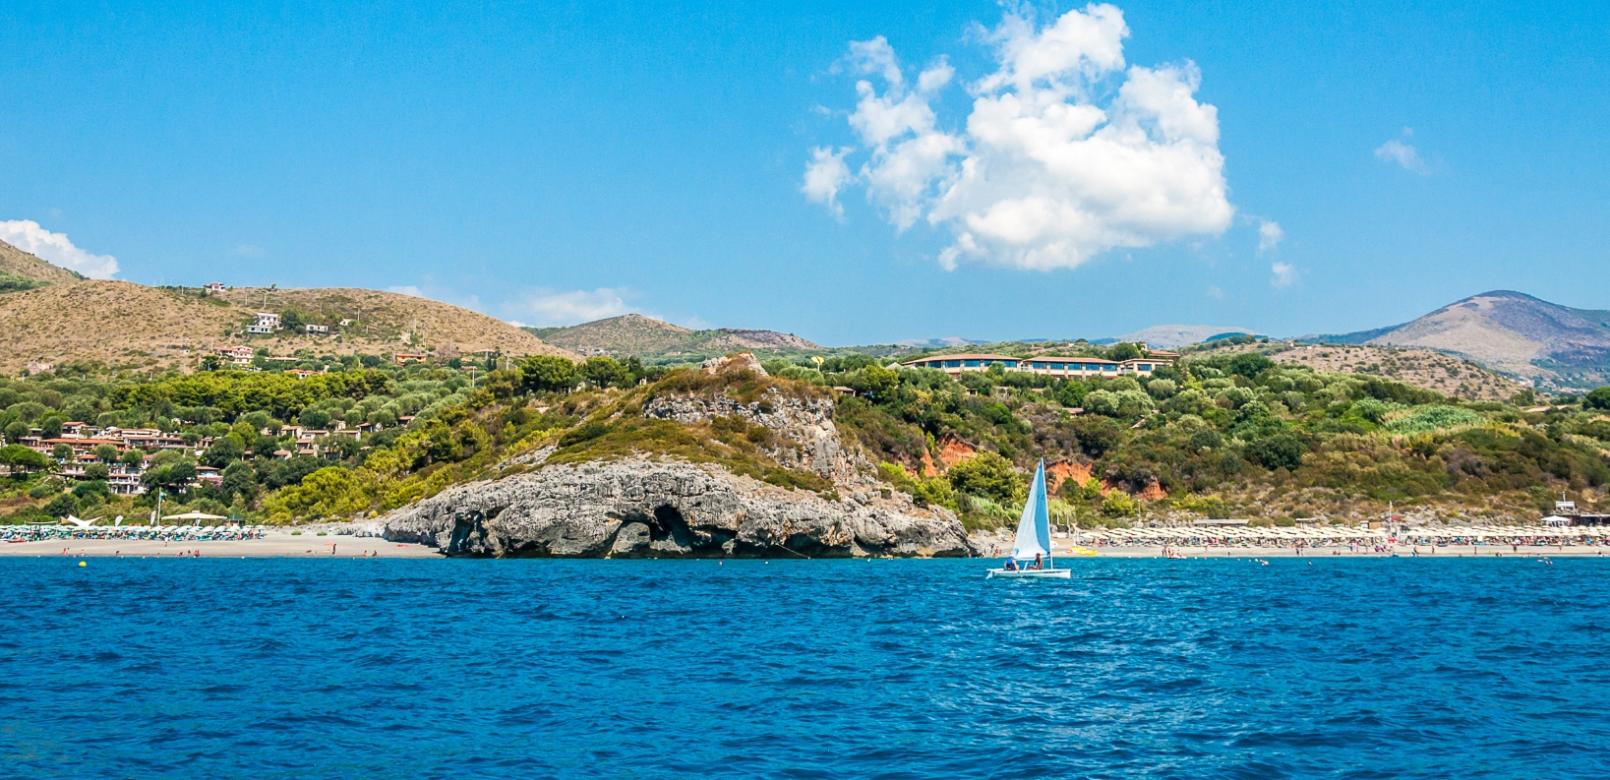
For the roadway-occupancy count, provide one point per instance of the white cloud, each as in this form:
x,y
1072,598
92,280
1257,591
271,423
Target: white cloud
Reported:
x,y
1064,154
56,248
1282,275
1270,234
1215,292
825,175
249,250
569,307
875,56
1403,154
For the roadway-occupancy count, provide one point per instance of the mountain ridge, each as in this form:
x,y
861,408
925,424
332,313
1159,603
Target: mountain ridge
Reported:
x,y
1545,343
644,337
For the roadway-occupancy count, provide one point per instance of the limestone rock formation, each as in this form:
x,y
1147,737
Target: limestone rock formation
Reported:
x,y
638,507
645,506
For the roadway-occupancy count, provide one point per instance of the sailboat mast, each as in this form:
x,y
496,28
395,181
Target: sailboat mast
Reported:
x,y
1045,515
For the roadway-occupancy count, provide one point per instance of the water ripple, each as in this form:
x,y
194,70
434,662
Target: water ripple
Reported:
x,y
886,669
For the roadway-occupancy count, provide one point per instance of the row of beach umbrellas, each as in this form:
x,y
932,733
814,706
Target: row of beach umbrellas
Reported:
x,y
1339,534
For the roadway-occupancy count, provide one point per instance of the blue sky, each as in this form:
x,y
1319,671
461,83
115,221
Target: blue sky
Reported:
x,y
544,162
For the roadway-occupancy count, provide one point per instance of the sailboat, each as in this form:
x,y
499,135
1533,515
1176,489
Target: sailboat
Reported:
x,y
1033,537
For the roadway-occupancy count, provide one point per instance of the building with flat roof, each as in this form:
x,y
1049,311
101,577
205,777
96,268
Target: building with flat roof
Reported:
x,y
1067,367
266,323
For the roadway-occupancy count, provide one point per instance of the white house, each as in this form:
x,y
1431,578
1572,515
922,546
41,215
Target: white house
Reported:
x,y
266,323
317,330
237,356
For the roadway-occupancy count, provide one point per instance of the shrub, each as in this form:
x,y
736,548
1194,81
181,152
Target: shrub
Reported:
x,y
1281,451
987,475
1118,504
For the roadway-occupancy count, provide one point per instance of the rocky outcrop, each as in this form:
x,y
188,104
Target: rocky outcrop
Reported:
x,y
640,507
645,506
804,435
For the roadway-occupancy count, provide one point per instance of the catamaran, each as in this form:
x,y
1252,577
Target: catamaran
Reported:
x,y
1033,537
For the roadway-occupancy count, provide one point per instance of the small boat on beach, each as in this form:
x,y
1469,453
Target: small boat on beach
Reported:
x,y
1033,543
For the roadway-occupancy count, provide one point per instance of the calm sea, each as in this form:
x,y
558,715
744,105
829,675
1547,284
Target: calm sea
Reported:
x,y
355,668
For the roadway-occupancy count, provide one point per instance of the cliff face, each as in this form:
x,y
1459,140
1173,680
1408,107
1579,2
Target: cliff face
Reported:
x,y
645,506
664,509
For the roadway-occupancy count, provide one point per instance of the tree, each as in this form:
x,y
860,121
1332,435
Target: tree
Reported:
x,y
63,453
338,447
20,458
604,371
96,471
133,458
1249,364
62,505
988,475
1280,451
238,480
1598,399
875,382
224,451
50,428
546,373
92,492
1162,388
105,453
313,418
173,477
1124,351
1118,504
16,430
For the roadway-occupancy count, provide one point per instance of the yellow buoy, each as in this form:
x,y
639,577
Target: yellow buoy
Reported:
x,y
82,564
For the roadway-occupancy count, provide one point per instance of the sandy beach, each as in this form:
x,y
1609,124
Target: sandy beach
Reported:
x,y
1396,551
276,544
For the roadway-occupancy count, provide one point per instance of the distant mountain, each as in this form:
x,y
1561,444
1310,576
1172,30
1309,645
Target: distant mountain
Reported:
x,y
634,335
1545,343
939,343
1171,336
20,270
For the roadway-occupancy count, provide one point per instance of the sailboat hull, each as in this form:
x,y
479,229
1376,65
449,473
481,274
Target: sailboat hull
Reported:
x,y
1031,574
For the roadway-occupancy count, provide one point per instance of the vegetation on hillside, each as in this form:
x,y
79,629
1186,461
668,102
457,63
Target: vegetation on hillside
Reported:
x,y
1222,434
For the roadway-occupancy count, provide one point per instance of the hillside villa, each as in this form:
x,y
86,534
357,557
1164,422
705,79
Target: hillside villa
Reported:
x,y
1071,367
237,356
265,324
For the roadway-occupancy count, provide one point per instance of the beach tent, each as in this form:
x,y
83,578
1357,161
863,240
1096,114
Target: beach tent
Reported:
x,y
195,516
1556,520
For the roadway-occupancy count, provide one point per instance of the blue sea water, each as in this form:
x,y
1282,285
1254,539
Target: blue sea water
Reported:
x,y
897,669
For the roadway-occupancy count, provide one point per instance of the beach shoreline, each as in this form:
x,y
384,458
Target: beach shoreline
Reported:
x,y
274,544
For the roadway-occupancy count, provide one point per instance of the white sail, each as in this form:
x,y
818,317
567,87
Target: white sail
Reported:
x,y
1034,529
